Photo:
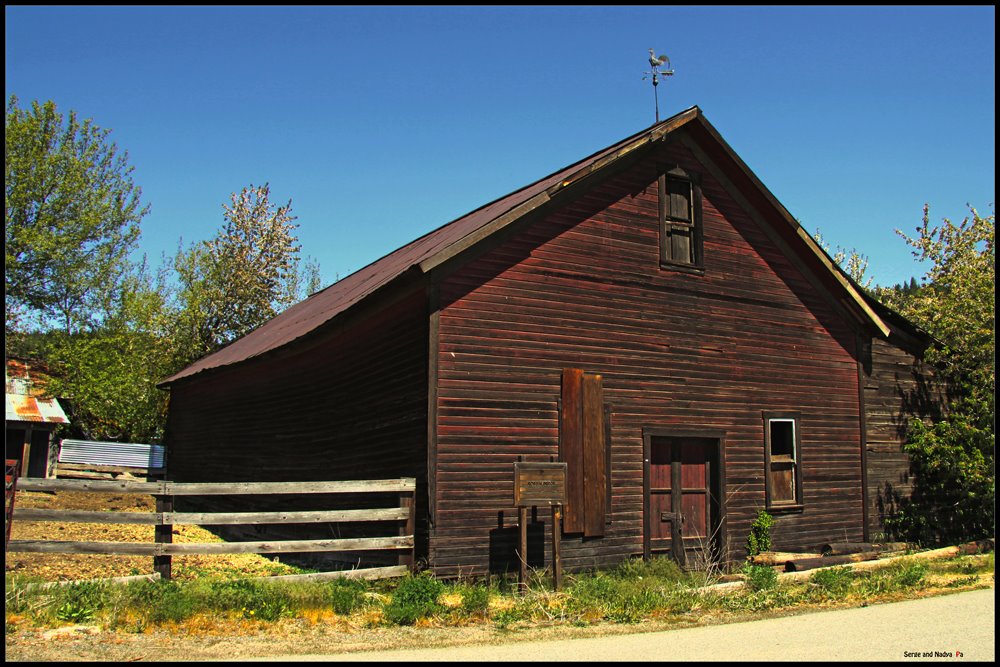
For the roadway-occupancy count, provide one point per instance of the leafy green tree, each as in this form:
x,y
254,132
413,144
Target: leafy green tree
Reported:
x,y
313,278
956,304
109,371
953,461
851,261
954,491
244,276
71,214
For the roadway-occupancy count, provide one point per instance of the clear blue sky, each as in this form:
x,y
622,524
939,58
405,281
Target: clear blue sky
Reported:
x,y
383,123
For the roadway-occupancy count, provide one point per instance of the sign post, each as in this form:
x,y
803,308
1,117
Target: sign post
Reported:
x,y
539,484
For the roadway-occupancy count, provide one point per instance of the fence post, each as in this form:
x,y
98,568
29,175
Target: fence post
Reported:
x,y
556,546
164,534
12,470
407,557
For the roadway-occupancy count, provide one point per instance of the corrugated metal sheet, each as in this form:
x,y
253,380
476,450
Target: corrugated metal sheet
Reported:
x,y
125,454
22,408
25,399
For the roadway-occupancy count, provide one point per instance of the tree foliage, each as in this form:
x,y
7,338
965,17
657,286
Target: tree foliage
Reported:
x,y
71,214
954,490
953,460
241,278
851,261
109,372
956,302
210,294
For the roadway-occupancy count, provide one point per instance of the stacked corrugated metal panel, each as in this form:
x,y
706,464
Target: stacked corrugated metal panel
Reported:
x,y
125,454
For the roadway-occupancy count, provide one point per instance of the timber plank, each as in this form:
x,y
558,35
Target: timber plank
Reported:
x,y
154,549
210,518
216,488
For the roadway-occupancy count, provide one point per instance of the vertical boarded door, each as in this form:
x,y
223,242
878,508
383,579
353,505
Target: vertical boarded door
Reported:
x,y
583,447
680,497
660,520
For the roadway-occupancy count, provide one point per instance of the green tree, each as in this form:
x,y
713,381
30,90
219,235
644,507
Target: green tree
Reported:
x,y
241,278
956,303
851,261
71,214
313,278
954,492
109,371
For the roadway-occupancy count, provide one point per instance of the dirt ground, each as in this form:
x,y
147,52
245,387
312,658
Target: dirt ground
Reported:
x,y
288,637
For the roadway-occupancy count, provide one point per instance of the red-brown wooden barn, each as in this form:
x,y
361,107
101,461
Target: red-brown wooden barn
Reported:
x,y
650,315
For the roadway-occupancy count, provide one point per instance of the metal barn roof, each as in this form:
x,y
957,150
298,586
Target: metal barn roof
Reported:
x,y
25,399
438,246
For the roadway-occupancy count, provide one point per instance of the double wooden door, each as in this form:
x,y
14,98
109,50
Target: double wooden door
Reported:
x,y
682,504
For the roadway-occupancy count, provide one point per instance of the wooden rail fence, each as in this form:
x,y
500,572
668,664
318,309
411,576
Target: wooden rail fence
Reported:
x,y
164,519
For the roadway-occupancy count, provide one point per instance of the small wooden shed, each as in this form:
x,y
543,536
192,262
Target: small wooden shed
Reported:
x,y
651,315
31,418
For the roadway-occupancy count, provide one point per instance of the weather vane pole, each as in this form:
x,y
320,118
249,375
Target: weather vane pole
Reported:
x,y
656,62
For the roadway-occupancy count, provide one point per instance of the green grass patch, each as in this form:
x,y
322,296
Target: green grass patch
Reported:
x,y
415,597
760,577
630,593
345,596
832,582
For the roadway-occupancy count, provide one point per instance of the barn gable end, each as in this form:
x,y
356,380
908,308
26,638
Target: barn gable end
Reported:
x,y
702,354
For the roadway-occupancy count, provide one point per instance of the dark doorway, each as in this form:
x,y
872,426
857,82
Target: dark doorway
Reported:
x,y
34,443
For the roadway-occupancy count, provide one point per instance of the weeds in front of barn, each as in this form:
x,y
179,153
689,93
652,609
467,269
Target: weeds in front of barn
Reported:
x,y
633,592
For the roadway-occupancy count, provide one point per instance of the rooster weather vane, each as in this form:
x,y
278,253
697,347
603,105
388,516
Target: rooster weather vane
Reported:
x,y
656,62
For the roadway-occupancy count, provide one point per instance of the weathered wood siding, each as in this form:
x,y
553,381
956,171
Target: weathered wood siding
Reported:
x,y
583,288
352,407
899,386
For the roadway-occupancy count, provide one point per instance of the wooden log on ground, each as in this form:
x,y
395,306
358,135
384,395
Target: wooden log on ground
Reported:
x,y
771,558
844,548
802,564
944,552
108,580
364,573
977,547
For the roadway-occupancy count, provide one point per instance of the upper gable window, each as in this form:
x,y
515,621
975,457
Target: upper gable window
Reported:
x,y
680,219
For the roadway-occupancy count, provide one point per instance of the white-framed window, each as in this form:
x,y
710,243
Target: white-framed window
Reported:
x,y
782,460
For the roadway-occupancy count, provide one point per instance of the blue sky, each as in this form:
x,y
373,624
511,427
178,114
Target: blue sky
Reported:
x,y
383,123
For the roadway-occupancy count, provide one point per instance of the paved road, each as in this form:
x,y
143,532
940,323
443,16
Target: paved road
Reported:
x,y
954,628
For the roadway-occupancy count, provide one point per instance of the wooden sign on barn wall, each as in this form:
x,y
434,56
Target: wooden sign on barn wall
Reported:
x,y
539,484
